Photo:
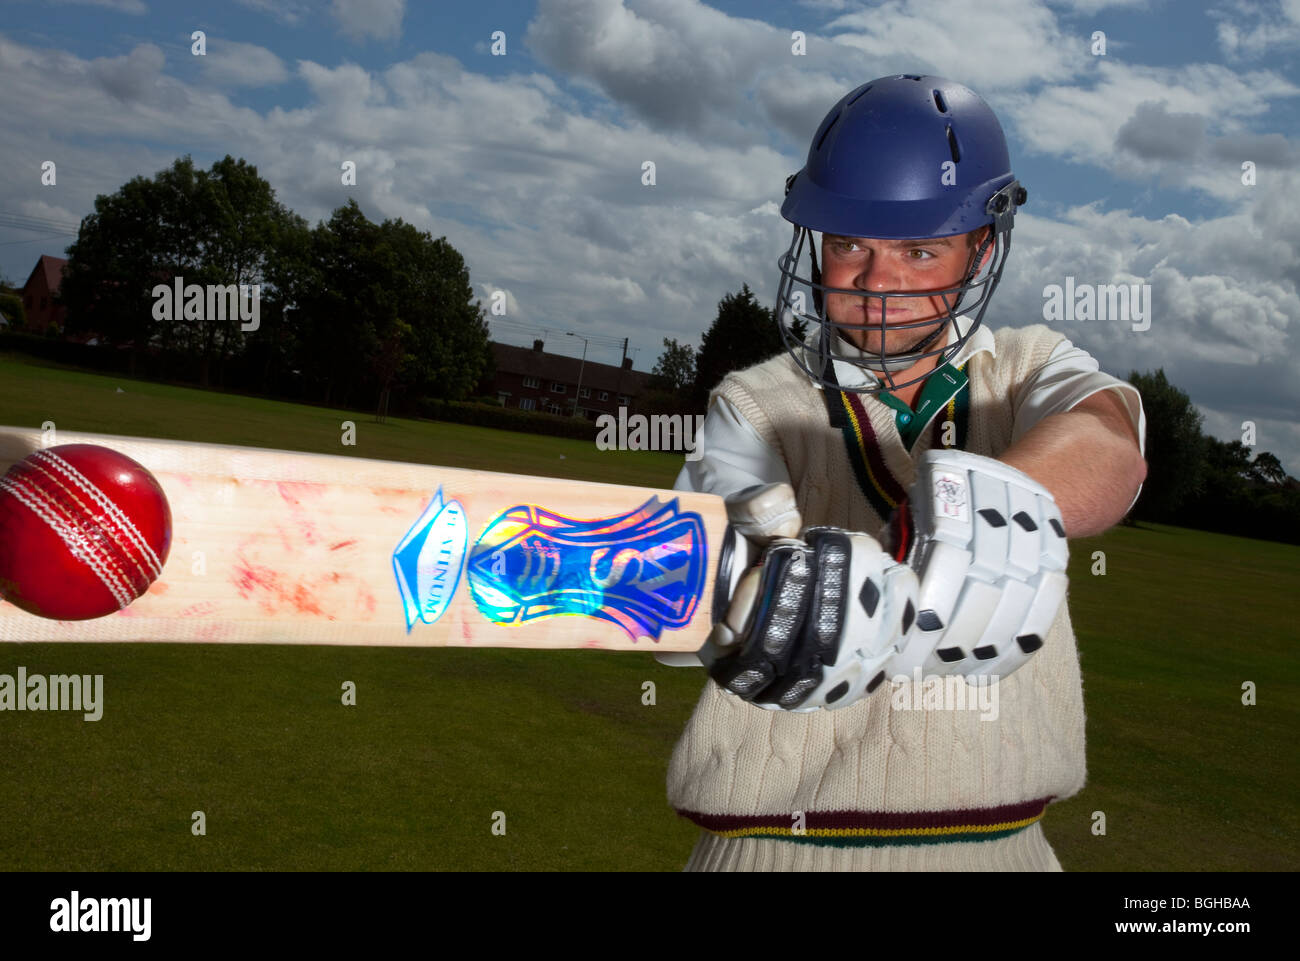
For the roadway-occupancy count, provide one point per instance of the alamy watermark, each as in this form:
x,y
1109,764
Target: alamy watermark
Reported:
x,y
945,692
1126,302
182,301
76,914
671,432
58,692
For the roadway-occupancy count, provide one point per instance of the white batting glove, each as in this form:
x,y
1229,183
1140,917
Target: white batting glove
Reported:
x,y
988,544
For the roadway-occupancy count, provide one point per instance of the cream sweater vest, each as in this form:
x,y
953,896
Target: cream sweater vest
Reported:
x,y
871,774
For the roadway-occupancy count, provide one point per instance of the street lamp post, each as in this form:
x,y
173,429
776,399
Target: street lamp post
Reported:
x,y
581,367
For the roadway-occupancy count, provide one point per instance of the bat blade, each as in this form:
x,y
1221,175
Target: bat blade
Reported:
x,y
282,547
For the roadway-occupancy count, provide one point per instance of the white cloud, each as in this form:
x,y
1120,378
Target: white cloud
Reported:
x,y
680,65
1084,123
234,64
121,6
289,12
1249,30
359,19
132,77
988,46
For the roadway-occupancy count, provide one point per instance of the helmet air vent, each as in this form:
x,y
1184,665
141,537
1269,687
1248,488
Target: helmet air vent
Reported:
x,y
938,102
826,133
952,145
857,96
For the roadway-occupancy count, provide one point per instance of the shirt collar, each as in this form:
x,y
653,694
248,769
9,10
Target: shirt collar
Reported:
x,y
850,375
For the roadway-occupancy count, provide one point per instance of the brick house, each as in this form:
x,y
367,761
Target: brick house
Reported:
x,y
39,292
531,379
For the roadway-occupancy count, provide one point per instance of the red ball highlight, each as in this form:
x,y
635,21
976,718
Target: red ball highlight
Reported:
x,y
84,531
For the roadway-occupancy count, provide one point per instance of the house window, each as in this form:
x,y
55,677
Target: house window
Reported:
x,y
624,399
604,395
584,393
503,396
531,382
527,403
553,409
558,388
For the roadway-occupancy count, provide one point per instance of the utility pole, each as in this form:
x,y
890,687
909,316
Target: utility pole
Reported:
x,y
621,367
581,367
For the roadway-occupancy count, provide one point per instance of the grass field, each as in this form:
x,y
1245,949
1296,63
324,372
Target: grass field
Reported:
x,y
255,737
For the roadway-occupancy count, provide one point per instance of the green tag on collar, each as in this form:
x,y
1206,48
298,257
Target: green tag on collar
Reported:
x,y
940,387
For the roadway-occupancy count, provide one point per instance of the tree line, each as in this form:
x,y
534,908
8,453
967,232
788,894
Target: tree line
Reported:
x,y
351,312
1196,480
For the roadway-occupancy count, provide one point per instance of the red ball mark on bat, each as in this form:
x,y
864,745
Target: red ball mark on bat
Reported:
x,y
295,492
273,592
159,587
305,602
368,602
215,631
342,544
202,609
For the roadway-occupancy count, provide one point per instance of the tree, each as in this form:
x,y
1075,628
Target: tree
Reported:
x,y
450,350
394,313
743,334
215,227
11,305
675,370
113,265
1175,447
1267,469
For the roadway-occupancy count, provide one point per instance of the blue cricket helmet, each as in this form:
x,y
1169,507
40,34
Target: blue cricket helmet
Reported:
x,y
899,158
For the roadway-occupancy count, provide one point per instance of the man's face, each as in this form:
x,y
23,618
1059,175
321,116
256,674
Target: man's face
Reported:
x,y
883,266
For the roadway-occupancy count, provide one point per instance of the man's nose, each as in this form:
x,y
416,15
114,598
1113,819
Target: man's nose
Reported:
x,y
877,274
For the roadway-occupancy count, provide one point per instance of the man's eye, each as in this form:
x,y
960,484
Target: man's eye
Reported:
x,y
918,250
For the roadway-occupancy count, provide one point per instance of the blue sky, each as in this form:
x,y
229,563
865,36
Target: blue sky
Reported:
x,y
530,162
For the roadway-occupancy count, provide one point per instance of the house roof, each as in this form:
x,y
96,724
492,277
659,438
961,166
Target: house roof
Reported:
x,y
537,363
52,267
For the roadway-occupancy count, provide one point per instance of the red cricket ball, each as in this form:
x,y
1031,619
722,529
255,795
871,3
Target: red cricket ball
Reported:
x,y
84,531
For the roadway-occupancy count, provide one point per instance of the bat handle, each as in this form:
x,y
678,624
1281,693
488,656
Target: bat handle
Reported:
x,y
737,554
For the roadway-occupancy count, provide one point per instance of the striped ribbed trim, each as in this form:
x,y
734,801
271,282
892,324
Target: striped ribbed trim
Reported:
x,y
878,828
846,413
881,489
957,411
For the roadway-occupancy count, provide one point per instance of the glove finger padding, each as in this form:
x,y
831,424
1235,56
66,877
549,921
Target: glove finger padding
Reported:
x,y
989,547
827,615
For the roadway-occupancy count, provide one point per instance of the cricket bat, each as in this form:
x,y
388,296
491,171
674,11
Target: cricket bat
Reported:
x,y
277,547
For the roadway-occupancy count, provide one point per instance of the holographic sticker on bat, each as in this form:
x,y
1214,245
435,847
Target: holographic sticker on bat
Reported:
x,y
644,570
429,560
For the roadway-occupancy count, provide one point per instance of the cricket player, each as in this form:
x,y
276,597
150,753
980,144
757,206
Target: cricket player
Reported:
x,y
904,479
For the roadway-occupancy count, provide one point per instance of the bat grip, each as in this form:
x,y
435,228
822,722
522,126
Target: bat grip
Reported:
x,y
737,554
